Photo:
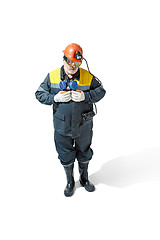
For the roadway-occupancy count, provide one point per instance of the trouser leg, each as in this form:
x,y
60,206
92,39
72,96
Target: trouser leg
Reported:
x,y
65,148
83,143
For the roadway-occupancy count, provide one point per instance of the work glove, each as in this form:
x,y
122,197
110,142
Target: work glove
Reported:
x,y
78,96
62,96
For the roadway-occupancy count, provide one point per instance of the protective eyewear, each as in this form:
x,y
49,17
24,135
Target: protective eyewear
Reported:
x,y
72,63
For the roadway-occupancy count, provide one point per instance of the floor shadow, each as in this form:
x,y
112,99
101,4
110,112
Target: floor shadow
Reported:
x,y
128,170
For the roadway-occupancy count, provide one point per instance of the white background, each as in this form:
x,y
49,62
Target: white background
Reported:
x,y
121,41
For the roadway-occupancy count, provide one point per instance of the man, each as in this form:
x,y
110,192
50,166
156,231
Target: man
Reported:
x,y
72,91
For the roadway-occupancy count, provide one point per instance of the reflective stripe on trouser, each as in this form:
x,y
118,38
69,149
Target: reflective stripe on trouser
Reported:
x,y
68,148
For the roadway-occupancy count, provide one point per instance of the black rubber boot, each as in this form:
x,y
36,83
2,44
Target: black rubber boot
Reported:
x,y
83,170
69,190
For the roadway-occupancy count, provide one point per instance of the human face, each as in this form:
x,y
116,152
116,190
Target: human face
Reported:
x,y
70,70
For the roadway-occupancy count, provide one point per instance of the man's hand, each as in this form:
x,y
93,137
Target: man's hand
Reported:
x,y
78,96
63,96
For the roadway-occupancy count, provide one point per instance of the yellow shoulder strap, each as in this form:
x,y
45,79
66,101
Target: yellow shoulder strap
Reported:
x,y
55,76
85,77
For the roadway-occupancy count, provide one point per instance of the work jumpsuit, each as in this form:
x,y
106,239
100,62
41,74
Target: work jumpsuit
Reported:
x,y
73,133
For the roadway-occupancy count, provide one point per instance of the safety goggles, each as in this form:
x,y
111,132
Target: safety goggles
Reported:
x,y
73,63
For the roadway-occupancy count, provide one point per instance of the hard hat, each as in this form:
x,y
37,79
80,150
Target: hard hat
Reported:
x,y
74,52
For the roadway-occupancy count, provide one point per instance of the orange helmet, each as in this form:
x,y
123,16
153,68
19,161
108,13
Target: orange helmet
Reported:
x,y
74,52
